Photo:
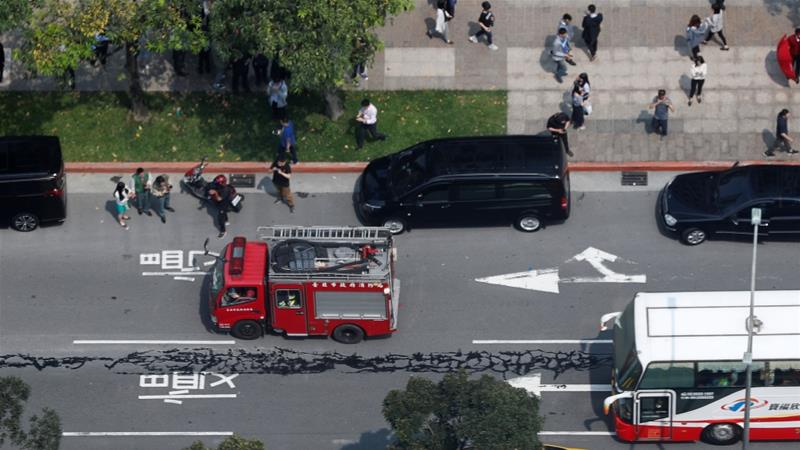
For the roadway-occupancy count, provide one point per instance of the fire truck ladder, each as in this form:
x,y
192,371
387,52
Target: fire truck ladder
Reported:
x,y
324,233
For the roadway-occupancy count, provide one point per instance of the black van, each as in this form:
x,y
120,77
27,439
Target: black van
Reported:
x,y
33,188
472,180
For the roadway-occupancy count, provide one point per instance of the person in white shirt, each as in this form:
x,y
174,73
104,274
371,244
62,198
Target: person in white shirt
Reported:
x,y
367,119
698,75
715,23
121,196
278,91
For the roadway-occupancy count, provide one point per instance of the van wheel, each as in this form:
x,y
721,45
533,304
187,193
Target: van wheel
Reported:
x,y
722,434
348,334
529,223
693,236
25,222
395,225
246,329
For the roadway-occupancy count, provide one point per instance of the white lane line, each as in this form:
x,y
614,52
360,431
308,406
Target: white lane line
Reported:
x,y
144,433
576,433
171,274
182,396
153,342
542,341
184,278
533,384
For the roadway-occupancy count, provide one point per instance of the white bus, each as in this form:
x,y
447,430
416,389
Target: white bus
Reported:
x,y
678,372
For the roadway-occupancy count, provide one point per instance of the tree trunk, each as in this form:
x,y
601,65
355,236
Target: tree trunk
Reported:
x,y
333,104
135,92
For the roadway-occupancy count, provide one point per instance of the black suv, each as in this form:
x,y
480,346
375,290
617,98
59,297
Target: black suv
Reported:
x,y
472,180
33,188
698,205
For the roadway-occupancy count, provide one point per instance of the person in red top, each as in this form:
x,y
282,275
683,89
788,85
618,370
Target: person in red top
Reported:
x,y
794,50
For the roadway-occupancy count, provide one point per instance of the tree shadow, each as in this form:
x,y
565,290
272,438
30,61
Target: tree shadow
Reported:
x,y
774,69
371,440
681,45
789,7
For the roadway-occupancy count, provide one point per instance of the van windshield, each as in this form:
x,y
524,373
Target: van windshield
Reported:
x,y
409,169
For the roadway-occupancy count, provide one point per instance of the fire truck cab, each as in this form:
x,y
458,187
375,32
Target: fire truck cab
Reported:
x,y
307,281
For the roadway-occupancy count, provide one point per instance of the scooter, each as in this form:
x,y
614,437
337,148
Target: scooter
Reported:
x,y
195,184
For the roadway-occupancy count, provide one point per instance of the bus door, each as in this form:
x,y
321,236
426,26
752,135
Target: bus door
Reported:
x,y
653,412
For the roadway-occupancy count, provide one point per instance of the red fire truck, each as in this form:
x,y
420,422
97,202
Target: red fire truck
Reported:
x,y
307,281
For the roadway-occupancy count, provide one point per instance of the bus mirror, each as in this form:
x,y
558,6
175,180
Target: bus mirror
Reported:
x,y
606,318
610,400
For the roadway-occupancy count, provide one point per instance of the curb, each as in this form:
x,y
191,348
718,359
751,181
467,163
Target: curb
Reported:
x,y
349,167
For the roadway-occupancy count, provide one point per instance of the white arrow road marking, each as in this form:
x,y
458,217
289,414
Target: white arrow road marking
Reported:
x,y
546,280
533,384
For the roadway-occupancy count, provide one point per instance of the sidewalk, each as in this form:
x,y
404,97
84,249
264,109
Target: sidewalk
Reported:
x,y
641,50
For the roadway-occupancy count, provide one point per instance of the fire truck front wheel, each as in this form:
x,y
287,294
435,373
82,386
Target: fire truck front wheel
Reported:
x,y
246,329
348,334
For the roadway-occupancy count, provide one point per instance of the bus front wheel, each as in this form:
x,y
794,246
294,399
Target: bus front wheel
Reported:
x,y
722,434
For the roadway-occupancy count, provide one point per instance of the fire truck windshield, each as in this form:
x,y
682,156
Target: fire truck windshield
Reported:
x,y
217,278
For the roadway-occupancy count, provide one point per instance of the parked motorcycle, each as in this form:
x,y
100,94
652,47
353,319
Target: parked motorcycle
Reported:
x,y
195,184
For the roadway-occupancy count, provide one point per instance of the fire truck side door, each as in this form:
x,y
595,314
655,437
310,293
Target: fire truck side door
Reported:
x,y
290,308
653,412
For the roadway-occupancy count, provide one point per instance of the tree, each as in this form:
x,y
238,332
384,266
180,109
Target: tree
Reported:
x,y
234,442
314,40
44,432
459,413
61,34
14,13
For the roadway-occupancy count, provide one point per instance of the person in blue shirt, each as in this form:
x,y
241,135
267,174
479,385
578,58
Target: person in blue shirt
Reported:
x,y
288,141
782,139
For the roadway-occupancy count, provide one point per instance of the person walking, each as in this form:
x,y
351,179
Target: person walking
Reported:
x,y
100,48
362,50
583,78
260,64
566,23
695,33
591,30
2,61
142,183
367,119
715,23
179,62
782,139
486,22
241,72
662,106
698,75
278,93
161,189
560,52
288,141
557,125
577,106
220,195
122,194
445,11
281,175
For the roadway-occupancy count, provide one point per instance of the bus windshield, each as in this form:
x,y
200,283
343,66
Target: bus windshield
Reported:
x,y
627,367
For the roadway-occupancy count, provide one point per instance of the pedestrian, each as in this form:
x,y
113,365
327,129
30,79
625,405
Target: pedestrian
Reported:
x,y
367,119
698,75
566,23
241,72
260,66
662,106
278,92
782,138
281,175
557,125
359,57
204,57
486,22
220,195
100,48
794,50
179,62
695,33
161,189
577,106
445,11
288,141
141,185
587,93
591,30
560,52
2,61
715,22
122,194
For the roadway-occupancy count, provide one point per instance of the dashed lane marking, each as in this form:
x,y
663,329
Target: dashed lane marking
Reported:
x,y
541,341
149,342
144,433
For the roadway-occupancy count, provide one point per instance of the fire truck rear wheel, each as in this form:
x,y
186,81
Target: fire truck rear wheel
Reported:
x,y
246,329
348,334
722,434
395,225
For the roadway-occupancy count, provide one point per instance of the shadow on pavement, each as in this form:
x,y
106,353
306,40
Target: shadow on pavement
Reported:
x,y
774,71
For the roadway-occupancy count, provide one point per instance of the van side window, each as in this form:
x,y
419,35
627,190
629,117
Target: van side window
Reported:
x,y
26,159
434,194
524,191
475,191
3,160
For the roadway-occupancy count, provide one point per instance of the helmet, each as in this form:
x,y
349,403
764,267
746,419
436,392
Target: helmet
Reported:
x,y
220,180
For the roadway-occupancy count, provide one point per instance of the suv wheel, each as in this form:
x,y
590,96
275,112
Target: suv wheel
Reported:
x,y
529,223
693,236
25,222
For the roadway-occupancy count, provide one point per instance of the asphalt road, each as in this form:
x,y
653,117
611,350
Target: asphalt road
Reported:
x,y
84,280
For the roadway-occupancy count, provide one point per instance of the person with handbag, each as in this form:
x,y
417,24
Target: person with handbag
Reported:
x,y
445,11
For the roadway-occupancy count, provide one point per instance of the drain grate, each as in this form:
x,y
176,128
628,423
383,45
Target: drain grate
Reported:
x,y
634,178
243,180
